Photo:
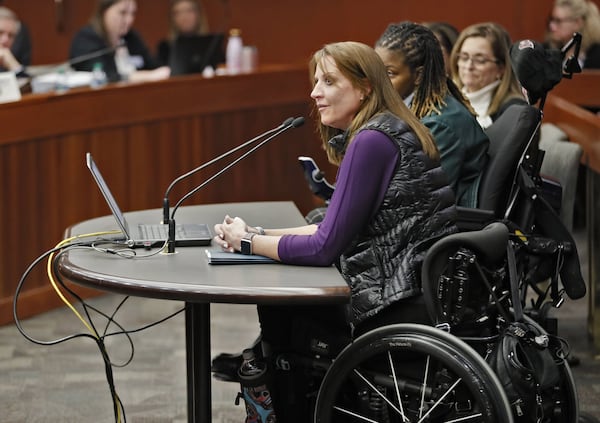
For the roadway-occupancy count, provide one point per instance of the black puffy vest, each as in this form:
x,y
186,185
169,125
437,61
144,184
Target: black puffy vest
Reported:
x,y
383,263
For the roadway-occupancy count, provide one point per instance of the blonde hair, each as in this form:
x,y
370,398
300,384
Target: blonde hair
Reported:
x,y
588,12
201,24
500,42
362,66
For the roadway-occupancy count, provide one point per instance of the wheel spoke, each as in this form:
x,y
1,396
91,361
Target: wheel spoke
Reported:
x,y
353,414
439,400
421,407
465,418
374,388
393,369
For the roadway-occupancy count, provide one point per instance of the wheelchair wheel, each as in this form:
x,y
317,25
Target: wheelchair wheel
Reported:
x,y
567,393
565,408
410,373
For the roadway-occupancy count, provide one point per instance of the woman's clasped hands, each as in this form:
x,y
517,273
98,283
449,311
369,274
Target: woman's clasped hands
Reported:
x,y
230,232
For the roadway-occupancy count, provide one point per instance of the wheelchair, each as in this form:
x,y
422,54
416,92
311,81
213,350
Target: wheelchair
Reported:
x,y
513,259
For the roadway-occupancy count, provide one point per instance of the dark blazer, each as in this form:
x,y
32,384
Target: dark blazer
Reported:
x,y
463,148
21,47
87,40
592,57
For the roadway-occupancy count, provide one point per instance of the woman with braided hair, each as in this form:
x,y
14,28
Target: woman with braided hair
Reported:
x,y
415,64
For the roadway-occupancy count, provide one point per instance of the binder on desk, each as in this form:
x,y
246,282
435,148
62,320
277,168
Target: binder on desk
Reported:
x,y
223,257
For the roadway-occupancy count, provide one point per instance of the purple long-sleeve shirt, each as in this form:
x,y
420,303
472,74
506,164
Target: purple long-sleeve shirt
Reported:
x,y
362,181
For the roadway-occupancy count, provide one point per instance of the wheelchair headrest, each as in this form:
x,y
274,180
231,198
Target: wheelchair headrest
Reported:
x,y
537,69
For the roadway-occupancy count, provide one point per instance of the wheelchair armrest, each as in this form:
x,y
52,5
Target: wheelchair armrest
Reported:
x,y
470,219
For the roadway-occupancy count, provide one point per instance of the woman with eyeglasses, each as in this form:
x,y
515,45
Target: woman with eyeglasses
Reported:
x,y
480,63
570,16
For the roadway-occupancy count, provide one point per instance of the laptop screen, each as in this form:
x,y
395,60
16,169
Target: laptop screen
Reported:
x,y
110,199
191,54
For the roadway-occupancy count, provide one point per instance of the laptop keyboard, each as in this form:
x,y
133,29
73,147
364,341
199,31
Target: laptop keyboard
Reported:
x,y
160,231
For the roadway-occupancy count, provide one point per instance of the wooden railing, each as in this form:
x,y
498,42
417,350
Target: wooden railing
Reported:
x,y
583,127
142,137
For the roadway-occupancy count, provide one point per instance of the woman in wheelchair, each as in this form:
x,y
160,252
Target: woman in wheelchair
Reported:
x,y
391,197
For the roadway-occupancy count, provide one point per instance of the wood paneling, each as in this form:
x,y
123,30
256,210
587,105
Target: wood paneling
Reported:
x,y
285,31
142,137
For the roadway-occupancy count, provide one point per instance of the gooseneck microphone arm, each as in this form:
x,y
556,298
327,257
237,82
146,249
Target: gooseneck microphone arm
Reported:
x,y
94,54
166,206
294,123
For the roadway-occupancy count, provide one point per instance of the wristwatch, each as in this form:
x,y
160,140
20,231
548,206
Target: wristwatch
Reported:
x,y
246,243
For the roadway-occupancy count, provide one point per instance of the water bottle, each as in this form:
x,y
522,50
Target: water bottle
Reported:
x,y
123,61
233,52
98,76
255,389
61,84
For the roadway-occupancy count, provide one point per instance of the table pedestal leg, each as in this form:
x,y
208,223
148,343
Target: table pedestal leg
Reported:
x,y
197,338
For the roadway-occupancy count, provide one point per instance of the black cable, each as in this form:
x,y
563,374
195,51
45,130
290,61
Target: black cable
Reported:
x,y
18,291
118,408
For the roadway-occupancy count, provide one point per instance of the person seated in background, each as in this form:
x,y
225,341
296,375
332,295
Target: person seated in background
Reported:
x,y
9,28
482,70
186,19
125,56
446,35
570,16
415,64
391,196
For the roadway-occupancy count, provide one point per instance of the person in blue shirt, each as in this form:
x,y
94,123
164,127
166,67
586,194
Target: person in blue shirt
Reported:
x,y
415,64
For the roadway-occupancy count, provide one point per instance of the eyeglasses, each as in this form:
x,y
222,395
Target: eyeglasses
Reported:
x,y
477,60
559,21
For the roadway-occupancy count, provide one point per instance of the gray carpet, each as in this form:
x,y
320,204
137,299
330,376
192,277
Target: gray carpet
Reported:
x,y
66,382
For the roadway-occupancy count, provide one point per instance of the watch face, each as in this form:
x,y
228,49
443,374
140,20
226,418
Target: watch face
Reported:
x,y
246,246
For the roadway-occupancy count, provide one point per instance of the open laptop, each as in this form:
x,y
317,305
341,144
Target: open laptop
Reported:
x,y
192,53
149,235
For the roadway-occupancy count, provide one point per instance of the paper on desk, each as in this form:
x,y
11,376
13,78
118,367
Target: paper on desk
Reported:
x,y
72,79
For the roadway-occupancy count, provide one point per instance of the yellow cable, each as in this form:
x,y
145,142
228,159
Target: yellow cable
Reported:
x,y
64,299
55,285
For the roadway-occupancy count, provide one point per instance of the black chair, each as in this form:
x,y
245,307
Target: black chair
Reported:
x,y
512,137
